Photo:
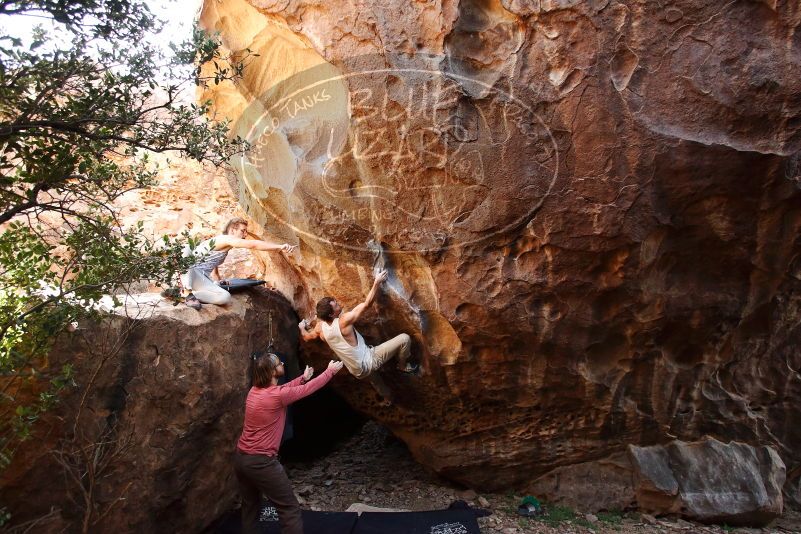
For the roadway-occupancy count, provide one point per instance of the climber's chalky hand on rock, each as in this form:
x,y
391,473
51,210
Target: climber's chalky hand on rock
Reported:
x,y
380,277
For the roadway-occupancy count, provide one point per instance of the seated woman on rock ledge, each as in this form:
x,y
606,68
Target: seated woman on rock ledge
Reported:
x,y
198,279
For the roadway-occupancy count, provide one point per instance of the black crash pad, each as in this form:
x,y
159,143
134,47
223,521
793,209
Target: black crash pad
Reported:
x,y
456,520
233,285
313,522
429,522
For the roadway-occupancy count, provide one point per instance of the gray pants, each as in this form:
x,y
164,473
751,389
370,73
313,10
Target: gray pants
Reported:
x,y
204,288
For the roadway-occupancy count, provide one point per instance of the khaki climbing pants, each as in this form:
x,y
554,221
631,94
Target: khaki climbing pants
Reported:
x,y
400,346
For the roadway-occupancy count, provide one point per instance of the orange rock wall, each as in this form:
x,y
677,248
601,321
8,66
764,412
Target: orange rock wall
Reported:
x,y
589,211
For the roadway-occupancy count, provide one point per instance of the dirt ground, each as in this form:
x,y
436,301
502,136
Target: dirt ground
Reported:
x,y
374,468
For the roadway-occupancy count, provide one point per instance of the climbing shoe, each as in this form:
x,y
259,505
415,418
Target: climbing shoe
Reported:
x,y
411,369
192,302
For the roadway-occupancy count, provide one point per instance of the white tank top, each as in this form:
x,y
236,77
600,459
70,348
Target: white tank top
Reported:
x,y
356,359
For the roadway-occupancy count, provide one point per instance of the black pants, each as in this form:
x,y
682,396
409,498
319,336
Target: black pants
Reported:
x,y
259,474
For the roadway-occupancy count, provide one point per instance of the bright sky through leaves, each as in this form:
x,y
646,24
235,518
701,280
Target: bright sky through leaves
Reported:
x,y
176,15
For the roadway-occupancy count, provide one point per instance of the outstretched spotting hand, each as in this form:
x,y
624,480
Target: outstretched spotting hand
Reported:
x,y
307,373
380,277
286,247
335,365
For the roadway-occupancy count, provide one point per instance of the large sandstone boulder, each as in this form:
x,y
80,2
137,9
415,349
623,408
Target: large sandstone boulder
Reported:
x,y
589,211
144,442
710,481
707,481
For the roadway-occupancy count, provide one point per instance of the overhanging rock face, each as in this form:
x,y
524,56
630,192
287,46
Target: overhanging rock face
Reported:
x,y
589,212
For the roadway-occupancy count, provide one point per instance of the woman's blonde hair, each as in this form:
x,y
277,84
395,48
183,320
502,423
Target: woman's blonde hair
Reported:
x,y
233,223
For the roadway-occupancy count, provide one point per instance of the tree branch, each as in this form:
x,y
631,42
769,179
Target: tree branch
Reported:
x,y
31,202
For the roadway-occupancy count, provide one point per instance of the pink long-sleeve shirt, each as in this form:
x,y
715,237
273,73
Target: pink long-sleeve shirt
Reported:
x,y
265,413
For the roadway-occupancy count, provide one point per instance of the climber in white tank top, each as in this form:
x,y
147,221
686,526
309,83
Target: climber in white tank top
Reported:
x,y
335,327
357,359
